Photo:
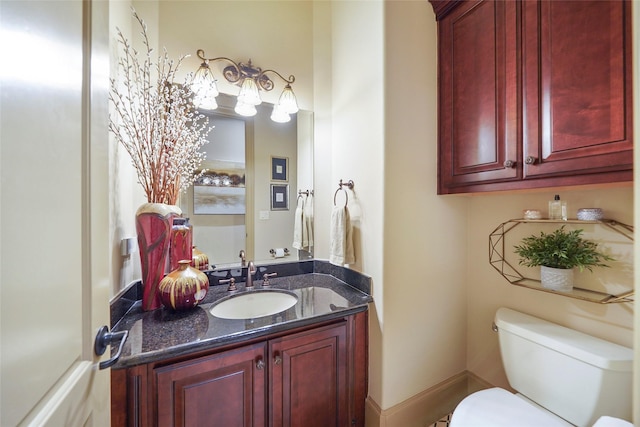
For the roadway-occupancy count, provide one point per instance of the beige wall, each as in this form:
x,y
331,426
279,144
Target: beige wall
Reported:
x,y
126,195
368,71
357,147
487,289
273,34
436,281
425,235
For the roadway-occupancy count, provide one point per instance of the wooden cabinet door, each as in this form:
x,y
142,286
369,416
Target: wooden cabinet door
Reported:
x,y
577,87
308,379
227,389
478,100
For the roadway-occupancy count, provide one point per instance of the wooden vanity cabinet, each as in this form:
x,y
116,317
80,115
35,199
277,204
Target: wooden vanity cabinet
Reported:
x,y
308,380
533,94
226,388
312,377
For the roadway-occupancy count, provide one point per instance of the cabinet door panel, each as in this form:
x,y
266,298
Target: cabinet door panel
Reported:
x,y
577,87
309,382
225,389
478,94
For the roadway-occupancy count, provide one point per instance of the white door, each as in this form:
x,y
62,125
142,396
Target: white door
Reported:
x,y
54,276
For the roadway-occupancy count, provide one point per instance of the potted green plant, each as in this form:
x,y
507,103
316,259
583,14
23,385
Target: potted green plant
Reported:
x,y
557,254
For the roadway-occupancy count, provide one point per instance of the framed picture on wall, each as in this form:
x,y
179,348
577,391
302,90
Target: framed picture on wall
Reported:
x,y
279,197
279,168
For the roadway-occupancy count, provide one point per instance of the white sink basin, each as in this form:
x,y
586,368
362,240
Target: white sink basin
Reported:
x,y
254,304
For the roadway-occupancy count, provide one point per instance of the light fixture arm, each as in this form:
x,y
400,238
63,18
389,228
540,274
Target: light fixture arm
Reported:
x,y
290,80
236,72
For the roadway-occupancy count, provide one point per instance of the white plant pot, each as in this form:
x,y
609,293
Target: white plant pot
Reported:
x,y
558,279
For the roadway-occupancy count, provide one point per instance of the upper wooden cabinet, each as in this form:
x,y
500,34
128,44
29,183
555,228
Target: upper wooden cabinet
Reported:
x,y
533,94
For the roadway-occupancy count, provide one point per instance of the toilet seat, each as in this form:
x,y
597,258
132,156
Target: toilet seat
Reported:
x,y
497,407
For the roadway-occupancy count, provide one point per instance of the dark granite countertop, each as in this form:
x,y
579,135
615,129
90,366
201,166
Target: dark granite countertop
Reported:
x,y
324,292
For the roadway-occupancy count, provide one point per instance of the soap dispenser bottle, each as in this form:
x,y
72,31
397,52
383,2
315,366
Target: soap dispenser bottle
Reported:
x,y
557,208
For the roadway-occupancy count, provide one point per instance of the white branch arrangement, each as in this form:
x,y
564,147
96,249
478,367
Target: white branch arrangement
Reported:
x,y
156,121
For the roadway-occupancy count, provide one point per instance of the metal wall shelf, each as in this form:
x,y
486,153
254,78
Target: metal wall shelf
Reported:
x,y
513,276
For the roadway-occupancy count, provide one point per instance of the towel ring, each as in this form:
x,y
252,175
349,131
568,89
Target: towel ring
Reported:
x,y
346,196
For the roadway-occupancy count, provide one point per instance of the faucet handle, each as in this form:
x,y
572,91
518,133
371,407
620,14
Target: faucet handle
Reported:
x,y
242,256
265,279
231,282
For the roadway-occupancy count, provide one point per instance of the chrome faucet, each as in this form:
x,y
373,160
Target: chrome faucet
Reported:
x,y
251,270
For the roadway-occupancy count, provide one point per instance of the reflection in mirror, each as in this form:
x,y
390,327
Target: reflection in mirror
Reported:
x,y
248,196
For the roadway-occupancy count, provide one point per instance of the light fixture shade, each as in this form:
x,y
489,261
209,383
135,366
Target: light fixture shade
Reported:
x,y
245,109
279,116
249,93
287,101
204,88
205,102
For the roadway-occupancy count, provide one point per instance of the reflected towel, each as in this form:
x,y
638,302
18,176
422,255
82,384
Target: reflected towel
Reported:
x,y
341,235
307,219
298,226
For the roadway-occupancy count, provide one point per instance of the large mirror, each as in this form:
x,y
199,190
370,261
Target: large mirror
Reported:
x,y
259,175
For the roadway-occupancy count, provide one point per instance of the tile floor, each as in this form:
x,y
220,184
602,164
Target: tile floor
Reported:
x,y
444,422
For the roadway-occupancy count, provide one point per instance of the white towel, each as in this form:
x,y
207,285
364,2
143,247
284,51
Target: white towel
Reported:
x,y
341,236
298,226
606,421
307,219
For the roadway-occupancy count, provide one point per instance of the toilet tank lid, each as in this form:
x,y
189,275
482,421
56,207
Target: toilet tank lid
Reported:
x,y
589,349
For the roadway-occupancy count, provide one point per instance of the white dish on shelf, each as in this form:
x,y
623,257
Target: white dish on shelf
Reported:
x,y
590,214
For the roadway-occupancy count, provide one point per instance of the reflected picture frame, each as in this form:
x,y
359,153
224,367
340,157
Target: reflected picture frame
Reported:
x,y
220,189
279,197
279,168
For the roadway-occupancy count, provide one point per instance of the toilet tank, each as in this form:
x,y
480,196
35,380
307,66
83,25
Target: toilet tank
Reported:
x,y
574,375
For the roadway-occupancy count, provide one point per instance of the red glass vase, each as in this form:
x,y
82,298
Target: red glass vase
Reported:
x,y
153,225
181,242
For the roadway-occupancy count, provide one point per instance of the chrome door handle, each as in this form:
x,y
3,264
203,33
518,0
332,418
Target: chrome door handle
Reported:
x,y
104,338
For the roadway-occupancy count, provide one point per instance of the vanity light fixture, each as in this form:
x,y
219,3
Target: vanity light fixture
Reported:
x,y
250,79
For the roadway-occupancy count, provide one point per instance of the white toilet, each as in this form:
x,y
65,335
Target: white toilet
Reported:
x,y
563,377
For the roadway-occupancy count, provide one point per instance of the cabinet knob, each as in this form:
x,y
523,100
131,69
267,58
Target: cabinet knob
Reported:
x,y
530,160
277,359
260,364
509,164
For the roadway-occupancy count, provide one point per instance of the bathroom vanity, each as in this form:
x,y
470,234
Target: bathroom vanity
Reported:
x,y
306,365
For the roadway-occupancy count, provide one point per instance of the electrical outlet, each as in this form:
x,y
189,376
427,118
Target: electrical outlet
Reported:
x,y
127,246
